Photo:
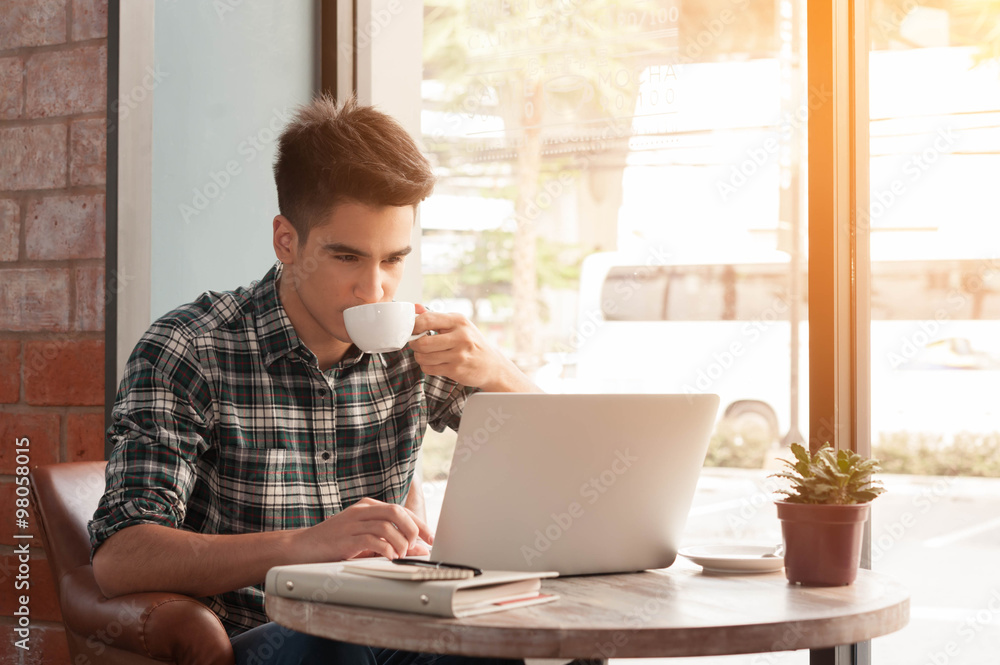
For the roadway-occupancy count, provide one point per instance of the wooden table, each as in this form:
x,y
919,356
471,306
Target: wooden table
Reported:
x,y
679,611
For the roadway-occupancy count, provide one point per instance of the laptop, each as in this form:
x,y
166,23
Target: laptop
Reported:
x,y
578,484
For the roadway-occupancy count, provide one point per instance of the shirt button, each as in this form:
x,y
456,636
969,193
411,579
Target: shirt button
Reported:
x,y
325,456
322,392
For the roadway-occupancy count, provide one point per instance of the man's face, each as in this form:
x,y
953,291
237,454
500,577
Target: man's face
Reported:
x,y
355,257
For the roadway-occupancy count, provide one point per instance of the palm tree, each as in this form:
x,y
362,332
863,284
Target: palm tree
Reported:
x,y
970,23
485,271
978,22
552,76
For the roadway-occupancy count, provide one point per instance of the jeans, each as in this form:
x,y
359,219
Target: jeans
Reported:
x,y
271,644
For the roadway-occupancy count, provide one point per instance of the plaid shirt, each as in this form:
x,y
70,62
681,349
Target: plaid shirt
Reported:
x,y
224,424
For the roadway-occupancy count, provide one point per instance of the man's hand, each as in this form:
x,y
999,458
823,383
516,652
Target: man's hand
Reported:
x,y
368,528
419,549
460,352
153,557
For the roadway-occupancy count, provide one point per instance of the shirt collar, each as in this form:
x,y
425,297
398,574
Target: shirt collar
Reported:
x,y
275,333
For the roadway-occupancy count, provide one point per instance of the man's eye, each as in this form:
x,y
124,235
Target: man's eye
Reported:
x,y
346,258
394,259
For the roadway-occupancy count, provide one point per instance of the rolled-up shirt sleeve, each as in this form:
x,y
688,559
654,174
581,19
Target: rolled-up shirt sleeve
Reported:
x,y
159,428
445,402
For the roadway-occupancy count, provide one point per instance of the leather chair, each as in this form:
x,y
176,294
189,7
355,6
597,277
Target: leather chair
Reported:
x,y
135,629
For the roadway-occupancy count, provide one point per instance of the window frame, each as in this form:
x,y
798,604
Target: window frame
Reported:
x,y
839,259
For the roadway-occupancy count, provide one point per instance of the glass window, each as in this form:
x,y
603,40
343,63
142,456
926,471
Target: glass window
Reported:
x,y
621,208
935,329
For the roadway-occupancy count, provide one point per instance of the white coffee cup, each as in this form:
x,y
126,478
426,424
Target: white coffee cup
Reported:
x,y
381,327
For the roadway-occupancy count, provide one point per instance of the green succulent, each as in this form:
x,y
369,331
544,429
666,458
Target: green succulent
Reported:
x,y
830,477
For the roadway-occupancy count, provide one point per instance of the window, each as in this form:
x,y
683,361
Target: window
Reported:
x,y
621,208
935,329
649,153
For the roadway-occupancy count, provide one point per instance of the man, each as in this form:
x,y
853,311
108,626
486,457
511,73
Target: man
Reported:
x,y
249,432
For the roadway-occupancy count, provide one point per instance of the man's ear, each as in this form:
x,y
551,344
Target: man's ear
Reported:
x,y
286,240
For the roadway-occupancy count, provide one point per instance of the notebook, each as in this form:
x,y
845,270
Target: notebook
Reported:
x,y
340,583
578,484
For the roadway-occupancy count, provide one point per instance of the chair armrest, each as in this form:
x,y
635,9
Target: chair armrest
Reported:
x,y
164,626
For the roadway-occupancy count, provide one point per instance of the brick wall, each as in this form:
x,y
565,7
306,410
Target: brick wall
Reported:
x,y
53,79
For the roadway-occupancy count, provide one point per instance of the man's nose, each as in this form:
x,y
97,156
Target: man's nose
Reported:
x,y
369,287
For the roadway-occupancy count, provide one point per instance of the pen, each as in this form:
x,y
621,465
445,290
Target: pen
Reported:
x,y
436,564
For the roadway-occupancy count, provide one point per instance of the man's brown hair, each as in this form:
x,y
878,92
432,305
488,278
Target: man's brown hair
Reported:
x,y
334,153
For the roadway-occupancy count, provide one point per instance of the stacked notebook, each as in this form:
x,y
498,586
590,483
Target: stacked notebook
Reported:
x,y
379,584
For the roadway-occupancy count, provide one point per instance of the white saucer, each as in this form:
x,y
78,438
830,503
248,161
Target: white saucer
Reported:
x,y
734,558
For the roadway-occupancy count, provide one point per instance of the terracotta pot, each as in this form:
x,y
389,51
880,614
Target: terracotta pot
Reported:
x,y
822,543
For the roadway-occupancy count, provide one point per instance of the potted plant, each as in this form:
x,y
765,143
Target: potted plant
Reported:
x,y
824,513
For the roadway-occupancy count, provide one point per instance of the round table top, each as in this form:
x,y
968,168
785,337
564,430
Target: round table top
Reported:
x,y
678,611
